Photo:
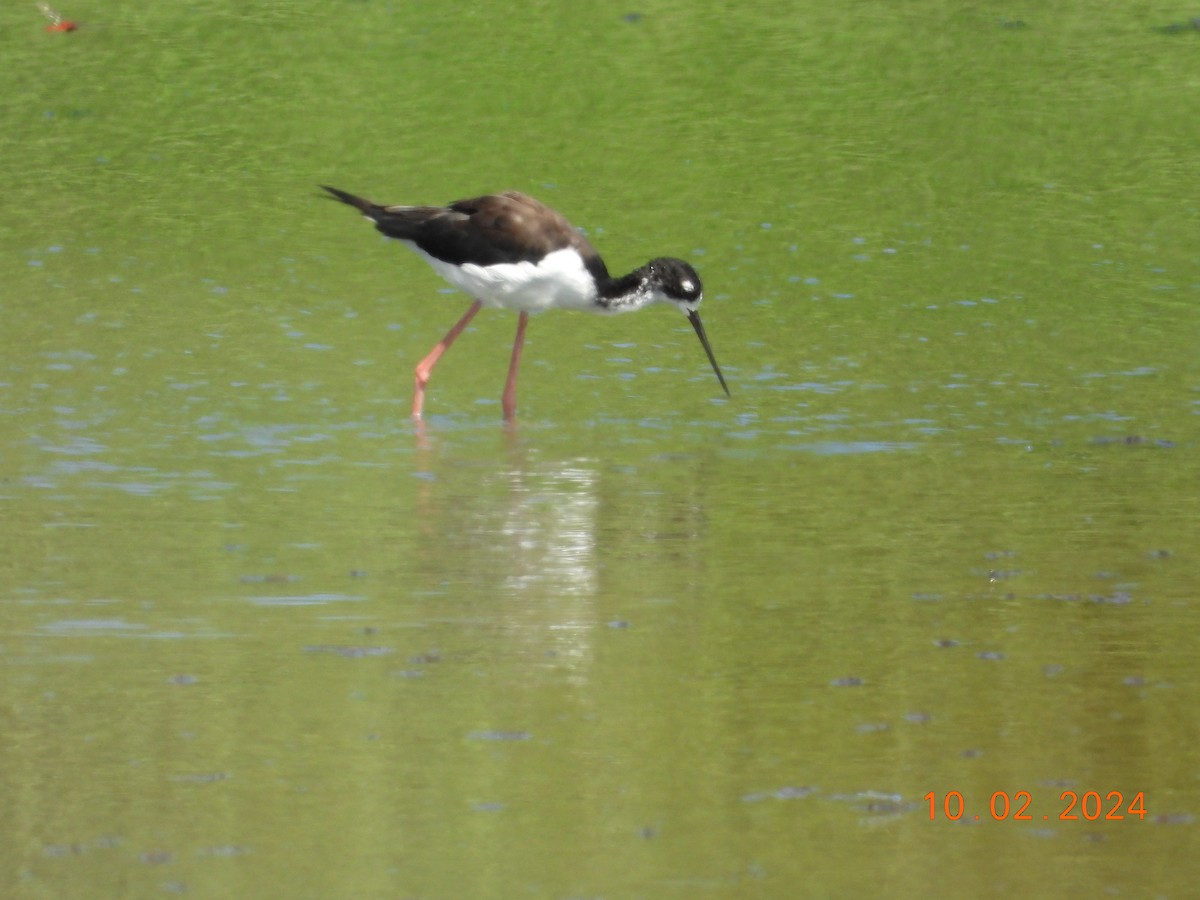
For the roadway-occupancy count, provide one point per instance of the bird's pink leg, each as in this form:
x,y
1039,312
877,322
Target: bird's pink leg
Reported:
x,y
509,401
425,367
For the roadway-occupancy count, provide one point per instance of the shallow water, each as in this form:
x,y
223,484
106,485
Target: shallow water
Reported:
x,y
261,635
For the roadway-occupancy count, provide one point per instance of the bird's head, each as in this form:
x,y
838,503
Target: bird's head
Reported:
x,y
673,281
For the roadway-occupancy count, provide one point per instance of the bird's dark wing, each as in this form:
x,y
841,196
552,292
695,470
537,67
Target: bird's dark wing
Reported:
x,y
495,228
514,227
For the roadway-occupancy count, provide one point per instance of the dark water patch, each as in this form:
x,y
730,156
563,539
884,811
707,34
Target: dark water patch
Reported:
x,y
994,575
58,851
223,851
259,440
1179,818
199,777
788,792
141,481
499,736
87,466
349,652
778,381
305,599
136,488
76,446
1192,24
1132,440
92,627
68,524
1116,598
876,803
845,448
271,578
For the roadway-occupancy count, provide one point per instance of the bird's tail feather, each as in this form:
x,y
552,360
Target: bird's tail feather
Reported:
x,y
366,207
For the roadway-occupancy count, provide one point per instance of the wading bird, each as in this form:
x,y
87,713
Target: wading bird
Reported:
x,y
510,251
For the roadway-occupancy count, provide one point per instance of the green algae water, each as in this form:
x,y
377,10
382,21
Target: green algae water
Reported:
x,y
261,636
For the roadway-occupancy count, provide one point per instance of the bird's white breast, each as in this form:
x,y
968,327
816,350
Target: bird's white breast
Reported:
x,y
559,281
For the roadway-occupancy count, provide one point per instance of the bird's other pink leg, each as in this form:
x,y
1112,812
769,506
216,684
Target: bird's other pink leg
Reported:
x,y
509,401
425,367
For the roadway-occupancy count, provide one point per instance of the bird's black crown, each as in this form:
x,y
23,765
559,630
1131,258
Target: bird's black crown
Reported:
x,y
676,279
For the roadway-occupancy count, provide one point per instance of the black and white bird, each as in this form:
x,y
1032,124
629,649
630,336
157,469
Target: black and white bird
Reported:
x,y
510,251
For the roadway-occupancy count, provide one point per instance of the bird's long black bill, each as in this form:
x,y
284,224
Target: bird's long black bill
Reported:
x,y
694,318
